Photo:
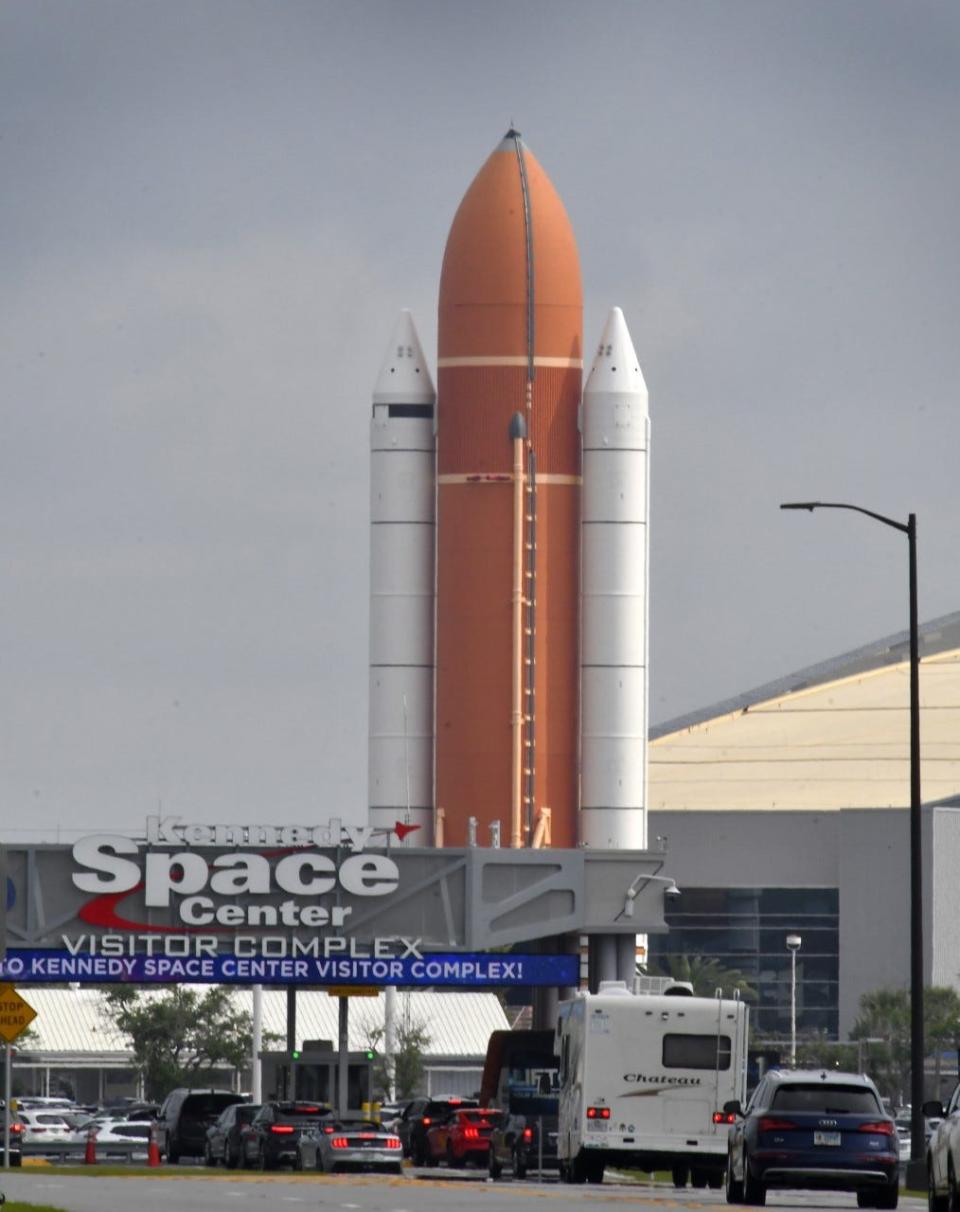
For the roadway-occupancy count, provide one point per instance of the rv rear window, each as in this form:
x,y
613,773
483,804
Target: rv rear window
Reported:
x,y
696,1052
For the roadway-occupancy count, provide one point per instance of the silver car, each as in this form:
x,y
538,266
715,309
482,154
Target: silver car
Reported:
x,y
349,1144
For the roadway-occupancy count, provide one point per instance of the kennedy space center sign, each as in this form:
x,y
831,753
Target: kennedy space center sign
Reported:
x,y
327,904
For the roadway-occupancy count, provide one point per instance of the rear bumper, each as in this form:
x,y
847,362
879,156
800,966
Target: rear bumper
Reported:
x,y
810,1176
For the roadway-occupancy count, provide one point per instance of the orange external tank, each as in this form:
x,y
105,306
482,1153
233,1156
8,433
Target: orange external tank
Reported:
x,y
509,364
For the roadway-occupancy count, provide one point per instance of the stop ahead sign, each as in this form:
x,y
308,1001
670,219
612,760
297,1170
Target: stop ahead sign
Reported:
x,y
16,1015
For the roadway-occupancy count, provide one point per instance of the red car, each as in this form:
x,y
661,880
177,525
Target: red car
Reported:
x,y
463,1137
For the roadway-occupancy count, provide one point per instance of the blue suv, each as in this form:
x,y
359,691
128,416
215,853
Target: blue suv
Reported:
x,y
815,1130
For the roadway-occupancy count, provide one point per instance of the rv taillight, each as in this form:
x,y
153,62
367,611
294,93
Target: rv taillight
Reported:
x,y
598,1112
724,1117
528,1134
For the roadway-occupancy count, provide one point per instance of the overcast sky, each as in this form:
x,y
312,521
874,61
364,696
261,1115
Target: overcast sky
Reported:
x,y
210,215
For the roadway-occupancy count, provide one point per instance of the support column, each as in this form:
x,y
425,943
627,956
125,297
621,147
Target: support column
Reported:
x,y
626,959
602,960
343,1055
292,1039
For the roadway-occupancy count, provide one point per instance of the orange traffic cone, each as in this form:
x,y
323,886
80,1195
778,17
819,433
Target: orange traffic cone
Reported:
x,y
153,1153
90,1156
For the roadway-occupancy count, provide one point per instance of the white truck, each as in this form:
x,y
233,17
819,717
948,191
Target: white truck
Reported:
x,y
643,1081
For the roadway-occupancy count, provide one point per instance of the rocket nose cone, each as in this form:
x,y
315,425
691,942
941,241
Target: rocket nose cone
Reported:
x,y
616,366
404,376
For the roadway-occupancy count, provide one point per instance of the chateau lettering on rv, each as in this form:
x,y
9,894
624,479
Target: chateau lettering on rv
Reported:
x,y
661,1080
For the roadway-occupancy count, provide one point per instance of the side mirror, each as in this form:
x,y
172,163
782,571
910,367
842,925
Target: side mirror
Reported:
x,y
933,1109
733,1107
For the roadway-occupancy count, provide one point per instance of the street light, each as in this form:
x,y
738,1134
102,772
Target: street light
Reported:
x,y
916,1175
793,946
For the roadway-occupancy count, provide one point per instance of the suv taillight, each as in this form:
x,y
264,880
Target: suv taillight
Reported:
x,y
769,1124
882,1127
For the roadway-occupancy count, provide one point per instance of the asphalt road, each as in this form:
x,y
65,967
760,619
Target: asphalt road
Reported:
x,y
198,1191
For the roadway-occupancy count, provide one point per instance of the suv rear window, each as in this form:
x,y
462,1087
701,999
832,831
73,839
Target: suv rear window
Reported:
x,y
825,1099
444,1108
301,1113
202,1105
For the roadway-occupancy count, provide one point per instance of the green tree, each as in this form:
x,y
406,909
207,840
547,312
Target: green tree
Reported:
x,y
885,1017
181,1036
705,973
411,1038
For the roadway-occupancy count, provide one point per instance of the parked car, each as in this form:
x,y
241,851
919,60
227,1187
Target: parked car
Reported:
x,y
225,1137
131,1138
418,1117
463,1138
273,1136
16,1137
185,1117
815,1130
515,1142
943,1153
343,1144
42,1126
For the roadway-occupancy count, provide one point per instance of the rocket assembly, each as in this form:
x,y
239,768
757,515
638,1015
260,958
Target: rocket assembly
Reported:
x,y
509,546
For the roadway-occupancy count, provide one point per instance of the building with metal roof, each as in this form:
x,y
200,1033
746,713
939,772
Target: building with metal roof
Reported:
x,y
75,1043
786,810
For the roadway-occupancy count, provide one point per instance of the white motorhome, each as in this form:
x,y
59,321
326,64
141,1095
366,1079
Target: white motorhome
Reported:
x,y
643,1081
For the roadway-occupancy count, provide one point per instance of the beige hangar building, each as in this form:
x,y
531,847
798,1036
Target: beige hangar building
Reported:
x,y
786,810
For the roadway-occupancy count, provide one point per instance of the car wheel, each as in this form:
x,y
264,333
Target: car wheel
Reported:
x,y
208,1158
398,1168
519,1166
953,1195
16,1159
231,1159
297,1162
754,1192
680,1174
493,1166
173,1155
263,1162
935,1202
594,1168
417,1154
866,1199
888,1196
732,1188
451,1160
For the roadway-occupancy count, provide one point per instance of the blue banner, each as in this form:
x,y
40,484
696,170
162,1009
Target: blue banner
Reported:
x,y
472,970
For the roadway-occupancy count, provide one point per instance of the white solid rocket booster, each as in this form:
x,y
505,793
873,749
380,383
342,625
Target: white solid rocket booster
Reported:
x,y
614,603
402,590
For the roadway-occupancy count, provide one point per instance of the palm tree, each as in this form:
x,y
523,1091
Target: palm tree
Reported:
x,y
705,973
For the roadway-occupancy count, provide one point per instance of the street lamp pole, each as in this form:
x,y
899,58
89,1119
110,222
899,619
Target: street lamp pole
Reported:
x,y
793,946
916,1175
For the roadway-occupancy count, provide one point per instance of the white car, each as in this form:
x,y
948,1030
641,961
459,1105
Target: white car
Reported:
x,y
943,1154
125,1135
41,1126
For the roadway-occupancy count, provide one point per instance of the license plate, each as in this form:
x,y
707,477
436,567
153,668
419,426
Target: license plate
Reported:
x,y
826,1138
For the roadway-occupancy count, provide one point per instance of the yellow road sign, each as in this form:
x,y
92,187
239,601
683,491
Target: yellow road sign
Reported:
x,y
352,991
16,1015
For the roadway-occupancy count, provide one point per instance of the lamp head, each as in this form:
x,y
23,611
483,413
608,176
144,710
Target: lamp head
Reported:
x,y
793,942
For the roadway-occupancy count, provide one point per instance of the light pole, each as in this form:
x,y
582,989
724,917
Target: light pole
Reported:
x,y
793,946
916,1171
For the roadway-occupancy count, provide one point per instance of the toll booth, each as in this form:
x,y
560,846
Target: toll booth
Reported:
x,y
311,1074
